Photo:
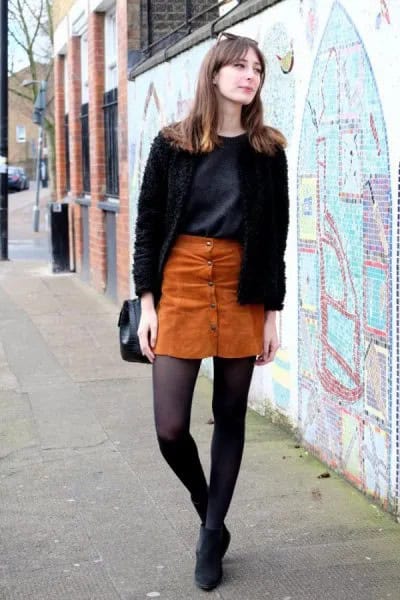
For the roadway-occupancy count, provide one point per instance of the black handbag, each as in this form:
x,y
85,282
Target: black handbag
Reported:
x,y
128,324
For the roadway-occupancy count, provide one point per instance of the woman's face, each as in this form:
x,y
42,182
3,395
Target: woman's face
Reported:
x,y
239,81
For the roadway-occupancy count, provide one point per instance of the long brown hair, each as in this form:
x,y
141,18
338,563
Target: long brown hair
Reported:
x,y
198,131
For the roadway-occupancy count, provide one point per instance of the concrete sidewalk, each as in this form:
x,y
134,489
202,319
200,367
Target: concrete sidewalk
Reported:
x,y
24,243
89,509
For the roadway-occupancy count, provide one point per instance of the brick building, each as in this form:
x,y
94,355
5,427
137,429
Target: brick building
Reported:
x,y
22,132
96,43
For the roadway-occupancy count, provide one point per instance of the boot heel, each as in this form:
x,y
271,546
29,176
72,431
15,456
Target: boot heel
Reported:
x,y
226,538
208,571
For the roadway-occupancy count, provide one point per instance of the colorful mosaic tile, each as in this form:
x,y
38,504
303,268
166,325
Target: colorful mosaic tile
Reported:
x,y
344,245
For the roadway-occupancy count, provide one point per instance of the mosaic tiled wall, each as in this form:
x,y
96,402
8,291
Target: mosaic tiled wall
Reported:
x,y
344,244
336,376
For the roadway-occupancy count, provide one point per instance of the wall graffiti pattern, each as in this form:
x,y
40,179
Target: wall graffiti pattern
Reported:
x,y
344,244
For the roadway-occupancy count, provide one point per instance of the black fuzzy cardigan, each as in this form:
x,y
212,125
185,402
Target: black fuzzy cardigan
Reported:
x,y
264,188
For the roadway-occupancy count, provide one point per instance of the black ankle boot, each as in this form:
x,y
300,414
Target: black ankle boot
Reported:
x,y
208,572
226,538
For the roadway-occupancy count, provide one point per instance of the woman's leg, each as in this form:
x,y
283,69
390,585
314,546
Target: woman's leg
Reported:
x,y
173,384
232,377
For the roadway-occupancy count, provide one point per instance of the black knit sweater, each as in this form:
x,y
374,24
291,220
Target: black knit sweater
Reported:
x,y
213,207
264,192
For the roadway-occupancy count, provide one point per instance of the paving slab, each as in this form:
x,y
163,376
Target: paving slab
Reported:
x,y
90,510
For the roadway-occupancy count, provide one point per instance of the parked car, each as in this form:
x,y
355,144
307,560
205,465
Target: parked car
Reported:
x,y
17,179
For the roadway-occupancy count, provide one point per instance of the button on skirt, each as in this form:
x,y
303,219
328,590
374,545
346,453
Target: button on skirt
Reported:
x,y
198,312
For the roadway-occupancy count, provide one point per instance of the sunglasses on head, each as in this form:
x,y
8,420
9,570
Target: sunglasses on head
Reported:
x,y
232,36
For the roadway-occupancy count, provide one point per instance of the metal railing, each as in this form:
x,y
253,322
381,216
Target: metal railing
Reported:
x,y
85,148
179,32
67,164
110,107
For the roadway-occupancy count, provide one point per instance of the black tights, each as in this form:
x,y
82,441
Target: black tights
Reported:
x,y
173,384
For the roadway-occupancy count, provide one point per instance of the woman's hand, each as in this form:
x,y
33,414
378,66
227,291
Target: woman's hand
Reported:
x,y
148,326
271,341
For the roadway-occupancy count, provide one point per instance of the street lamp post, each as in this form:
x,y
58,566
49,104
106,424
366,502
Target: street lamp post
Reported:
x,y
3,130
38,117
36,208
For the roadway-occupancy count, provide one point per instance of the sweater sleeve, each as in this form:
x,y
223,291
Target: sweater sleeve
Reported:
x,y
149,223
282,202
282,225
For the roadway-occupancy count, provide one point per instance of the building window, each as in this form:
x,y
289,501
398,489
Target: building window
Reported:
x,y
85,114
111,45
111,103
84,69
21,134
67,169
85,147
110,107
66,126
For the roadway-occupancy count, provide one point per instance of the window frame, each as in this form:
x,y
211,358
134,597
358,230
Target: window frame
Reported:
x,y
110,50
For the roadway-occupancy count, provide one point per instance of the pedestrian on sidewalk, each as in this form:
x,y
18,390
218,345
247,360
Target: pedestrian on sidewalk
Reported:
x,y
209,268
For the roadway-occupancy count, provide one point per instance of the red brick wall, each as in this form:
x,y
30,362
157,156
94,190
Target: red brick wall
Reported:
x,y
75,143
97,159
128,24
61,177
75,133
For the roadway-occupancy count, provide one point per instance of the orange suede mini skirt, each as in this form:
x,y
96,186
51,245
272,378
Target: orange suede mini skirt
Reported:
x,y
198,312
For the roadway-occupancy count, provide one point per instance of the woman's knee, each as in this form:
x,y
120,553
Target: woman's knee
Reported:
x,y
230,414
172,432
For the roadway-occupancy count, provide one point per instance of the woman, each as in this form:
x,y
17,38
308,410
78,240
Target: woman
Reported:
x,y
209,269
